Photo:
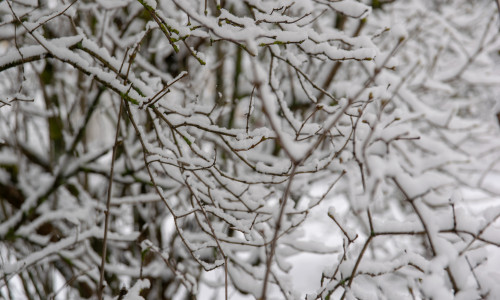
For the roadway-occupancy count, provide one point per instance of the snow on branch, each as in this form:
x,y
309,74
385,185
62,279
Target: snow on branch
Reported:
x,y
269,149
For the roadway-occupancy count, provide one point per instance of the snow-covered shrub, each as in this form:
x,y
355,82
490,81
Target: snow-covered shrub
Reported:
x,y
184,147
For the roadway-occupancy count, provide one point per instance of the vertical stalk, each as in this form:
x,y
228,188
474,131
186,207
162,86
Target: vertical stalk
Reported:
x,y
108,201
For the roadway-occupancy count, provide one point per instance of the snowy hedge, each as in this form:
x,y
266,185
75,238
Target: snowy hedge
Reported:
x,y
249,149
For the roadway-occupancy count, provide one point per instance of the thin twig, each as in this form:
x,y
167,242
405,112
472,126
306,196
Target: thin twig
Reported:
x,y
108,203
276,232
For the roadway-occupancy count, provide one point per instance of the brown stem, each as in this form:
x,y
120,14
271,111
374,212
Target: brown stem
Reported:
x,y
108,201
